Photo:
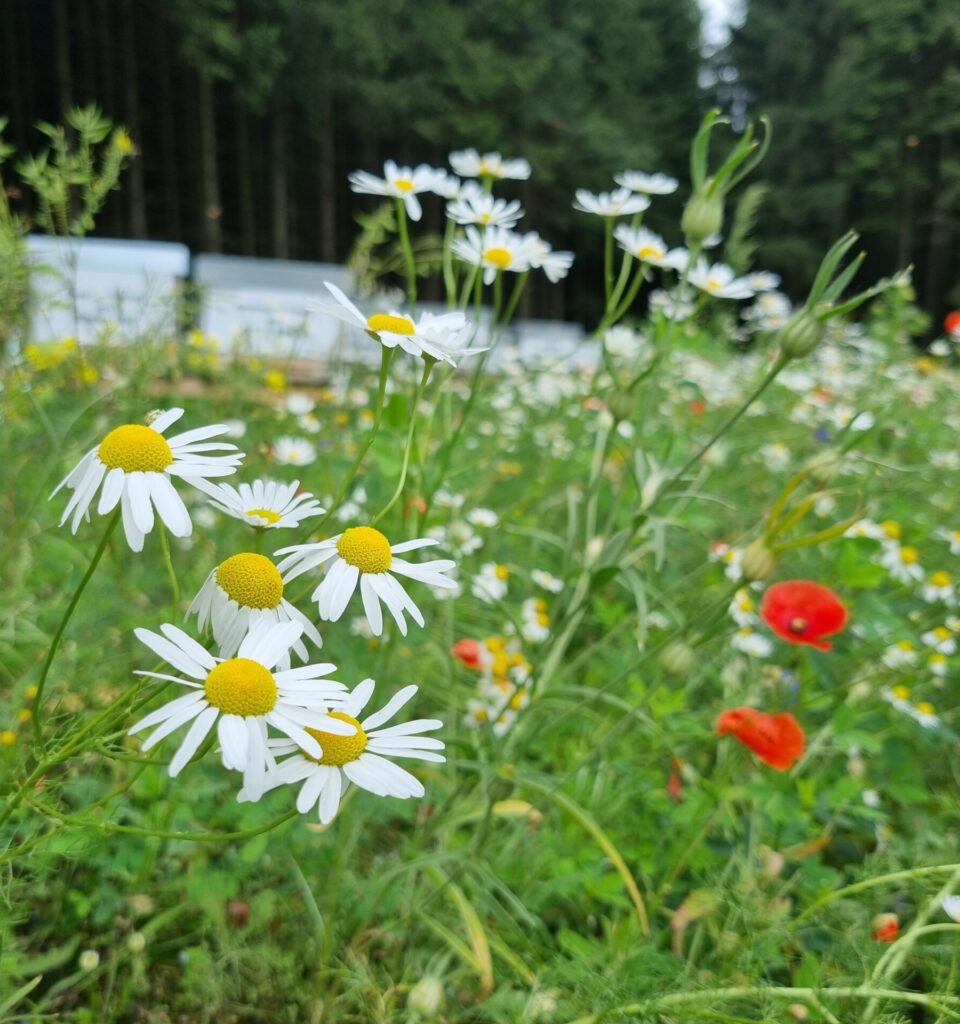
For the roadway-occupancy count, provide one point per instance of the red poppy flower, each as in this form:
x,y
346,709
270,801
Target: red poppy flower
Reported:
x,y
952,322
777,740
467,652
802,612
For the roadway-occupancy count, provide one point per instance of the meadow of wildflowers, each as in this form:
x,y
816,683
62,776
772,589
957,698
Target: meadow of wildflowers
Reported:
x,y
535,689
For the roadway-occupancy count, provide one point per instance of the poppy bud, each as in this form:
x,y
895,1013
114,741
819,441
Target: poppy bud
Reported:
x,y
238,913
702,217
678,658
885,927
468,652
823,467
623,406
758,561
800,335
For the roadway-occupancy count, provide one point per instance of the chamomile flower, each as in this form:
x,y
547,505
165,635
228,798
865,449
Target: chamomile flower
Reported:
x,y
440,337
901,562
899,655
719,280
468,163
535,620
241,696
941,639
490,584
135,463
363,758
951,907
763,281
743,608
540,254
265,504
938,587
401,183
494,251
648,247
747,641
952,537
648,184
243,590
546,580
621,202
294,451
363,556
484,210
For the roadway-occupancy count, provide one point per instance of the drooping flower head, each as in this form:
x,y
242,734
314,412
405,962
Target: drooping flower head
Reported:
x,y
468,163
135,463
242,696
242,591
363,758
440,337
363,556
621,202
265,504
649,184
778,740
803,612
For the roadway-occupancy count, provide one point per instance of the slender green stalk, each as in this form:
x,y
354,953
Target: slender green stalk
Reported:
x,y
408,257
514,299
607,259
408,447
449,269
191,837
171,572
68,613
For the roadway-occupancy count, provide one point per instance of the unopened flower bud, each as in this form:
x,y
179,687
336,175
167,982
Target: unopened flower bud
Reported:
x,y
885,927
623,406
426,997
798,1011
702,217
89,960
136,942
678,658
824,466
758,561
800,335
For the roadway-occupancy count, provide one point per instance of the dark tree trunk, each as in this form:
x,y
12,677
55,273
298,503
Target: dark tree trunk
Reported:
x,y
244,181
61,29
134,183
327,173
209,181
169,175
279,198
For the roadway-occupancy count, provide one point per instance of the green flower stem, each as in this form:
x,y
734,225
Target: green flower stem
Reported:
x,y
71,607
617,311
171,572
468,285
622,279
607,259
514,300
190,837
408,256
907,874
408,447
707,996
449,270
386,354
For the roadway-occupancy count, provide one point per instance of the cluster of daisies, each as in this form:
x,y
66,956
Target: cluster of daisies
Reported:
x,y
275,722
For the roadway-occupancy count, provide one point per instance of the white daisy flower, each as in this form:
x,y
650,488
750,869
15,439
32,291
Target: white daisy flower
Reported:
x,y
477,207
242,696
743,608
763,281
951,907
719,280
541,256
490,584
749,642
468,163
294,451
401,183
938,587
363,555
621,202
485,517
900,561
952,537
243,590
440,337
649,184
535,624
941,640
362,758
546,580
648,247
494,250
451,187
135,462
899,655
299,404
265,504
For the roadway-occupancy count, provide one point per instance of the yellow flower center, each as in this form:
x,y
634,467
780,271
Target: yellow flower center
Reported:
x,y
480,714
905,645
501,572
134,447
650,252
265,513
908,555
338,750
484,218
940,579
516,701
251,580
404,184
498,256
239,686
366,548
903,692
941,633
926,708
891,528
385,322
713,284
